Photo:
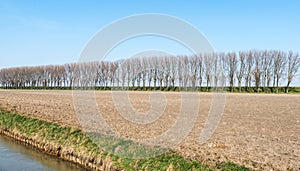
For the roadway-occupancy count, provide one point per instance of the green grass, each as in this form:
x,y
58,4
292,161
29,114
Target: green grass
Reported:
x,y
126,148
81,143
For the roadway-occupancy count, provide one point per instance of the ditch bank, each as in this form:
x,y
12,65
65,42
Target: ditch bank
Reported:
x,y
71,144
21,129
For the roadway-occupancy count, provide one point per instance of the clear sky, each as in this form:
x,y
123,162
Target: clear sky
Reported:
x,y
55,32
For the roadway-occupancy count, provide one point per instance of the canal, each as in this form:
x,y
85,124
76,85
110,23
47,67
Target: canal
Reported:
x,y
15,156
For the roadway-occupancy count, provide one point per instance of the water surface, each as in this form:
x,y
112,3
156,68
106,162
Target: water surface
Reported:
x,y
15,156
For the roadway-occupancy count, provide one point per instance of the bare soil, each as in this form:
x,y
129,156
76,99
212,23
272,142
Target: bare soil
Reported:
x,y
261,131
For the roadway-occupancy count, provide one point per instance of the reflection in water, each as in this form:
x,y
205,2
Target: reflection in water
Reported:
x,y
16,157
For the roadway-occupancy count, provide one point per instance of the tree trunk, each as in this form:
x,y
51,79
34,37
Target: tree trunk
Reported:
x,y
287,87
240,84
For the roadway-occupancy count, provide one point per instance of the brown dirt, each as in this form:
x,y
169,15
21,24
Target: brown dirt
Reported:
x,y
258,130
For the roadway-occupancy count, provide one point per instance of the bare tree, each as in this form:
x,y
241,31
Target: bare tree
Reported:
x,y
193,66
257,72
270,68
156,71
249,67
174,70
241,69
224,69
267,62
144,70
150,70
279,65
137,66
232,59
208,69
112,73
122,72
293,61
2,78
166,67
200,69
185,72
217,70
161,72
180,72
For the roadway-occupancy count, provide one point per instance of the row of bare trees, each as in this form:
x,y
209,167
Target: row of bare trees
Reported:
x,y
259,69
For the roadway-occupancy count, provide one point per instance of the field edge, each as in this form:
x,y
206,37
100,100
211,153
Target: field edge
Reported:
x,y
71,144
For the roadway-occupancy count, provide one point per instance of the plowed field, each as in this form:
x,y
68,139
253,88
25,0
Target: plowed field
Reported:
x,y
258,130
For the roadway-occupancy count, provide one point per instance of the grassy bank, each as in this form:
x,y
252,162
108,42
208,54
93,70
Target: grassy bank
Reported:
x,y
74,145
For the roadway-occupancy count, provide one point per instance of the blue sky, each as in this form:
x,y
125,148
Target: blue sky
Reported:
x,y
55,32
